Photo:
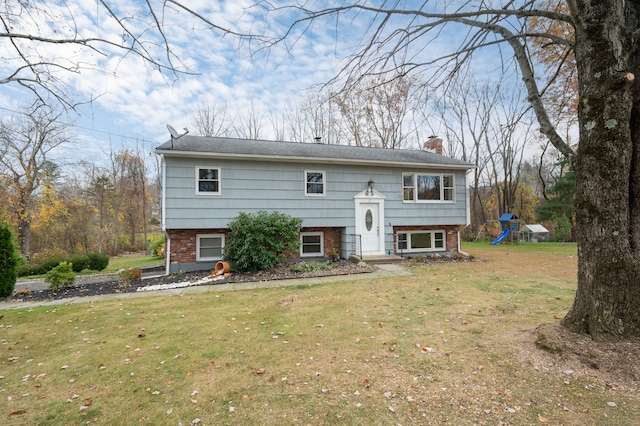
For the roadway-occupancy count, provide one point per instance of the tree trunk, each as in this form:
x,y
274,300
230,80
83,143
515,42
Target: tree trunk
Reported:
x,y
607,175
24,237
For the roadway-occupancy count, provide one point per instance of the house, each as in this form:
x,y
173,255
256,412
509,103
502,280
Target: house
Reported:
x,y
353,200
534,234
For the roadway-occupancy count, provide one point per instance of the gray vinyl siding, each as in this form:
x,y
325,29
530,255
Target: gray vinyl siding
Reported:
x,y
251,186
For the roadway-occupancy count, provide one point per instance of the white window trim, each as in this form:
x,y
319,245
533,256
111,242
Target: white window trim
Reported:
x,y
198,192
324,183
206,259
321,253
421,250
415,187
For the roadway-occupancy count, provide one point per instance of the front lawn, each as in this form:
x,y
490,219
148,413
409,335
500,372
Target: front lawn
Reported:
x,y
451,344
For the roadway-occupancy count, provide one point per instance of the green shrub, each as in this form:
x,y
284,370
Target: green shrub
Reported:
x,y
258,241
80,262
97,261
40,267
128,276
157,247
46,265
60,276
8,262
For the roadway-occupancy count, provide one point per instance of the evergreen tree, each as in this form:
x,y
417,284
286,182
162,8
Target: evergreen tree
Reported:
x,y
561,201
8,262
562,227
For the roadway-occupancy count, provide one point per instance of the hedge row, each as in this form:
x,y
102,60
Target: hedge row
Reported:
x,y
80,262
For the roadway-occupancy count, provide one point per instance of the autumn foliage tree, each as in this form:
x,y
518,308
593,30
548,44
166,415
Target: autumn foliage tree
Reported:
x,y
28,141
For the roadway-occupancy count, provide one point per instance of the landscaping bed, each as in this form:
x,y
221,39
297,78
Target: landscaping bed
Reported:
x,y
112,284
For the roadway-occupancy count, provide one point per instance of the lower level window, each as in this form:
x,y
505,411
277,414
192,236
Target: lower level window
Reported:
x,y
209,247
311,244
420,241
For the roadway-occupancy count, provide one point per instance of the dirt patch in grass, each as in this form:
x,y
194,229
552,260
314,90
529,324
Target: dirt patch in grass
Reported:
x,y
548,345
616,364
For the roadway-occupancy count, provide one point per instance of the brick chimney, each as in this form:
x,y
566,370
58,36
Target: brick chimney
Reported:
x,y
434,144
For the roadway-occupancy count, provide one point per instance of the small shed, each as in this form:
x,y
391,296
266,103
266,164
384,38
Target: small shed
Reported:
x,y
534,234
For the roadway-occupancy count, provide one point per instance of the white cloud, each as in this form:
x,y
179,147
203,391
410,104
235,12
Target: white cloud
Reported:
x,y
134,101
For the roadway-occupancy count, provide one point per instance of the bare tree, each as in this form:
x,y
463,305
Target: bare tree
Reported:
x,y
510,133
604,36
466,111
28,141
45,43
311,117
377,110
210,120
249,126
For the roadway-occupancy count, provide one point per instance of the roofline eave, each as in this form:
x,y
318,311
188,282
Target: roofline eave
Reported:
x,y
324,160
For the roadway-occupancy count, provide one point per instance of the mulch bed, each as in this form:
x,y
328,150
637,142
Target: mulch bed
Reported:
x,y
113,285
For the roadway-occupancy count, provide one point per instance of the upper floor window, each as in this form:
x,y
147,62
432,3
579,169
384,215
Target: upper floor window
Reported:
x,y
418,187
314,183
207,181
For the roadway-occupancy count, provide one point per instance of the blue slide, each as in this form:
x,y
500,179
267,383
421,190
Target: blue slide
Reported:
x,y
502,236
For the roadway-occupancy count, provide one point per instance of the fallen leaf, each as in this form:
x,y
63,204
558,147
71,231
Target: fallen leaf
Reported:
x,y
260,371
542,419
17,412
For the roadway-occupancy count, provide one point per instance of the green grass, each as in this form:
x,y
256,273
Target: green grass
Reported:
x,y
450,344
126,262
568,249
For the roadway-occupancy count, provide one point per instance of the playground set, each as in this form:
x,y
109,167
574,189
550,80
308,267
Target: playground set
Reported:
x,y
509,227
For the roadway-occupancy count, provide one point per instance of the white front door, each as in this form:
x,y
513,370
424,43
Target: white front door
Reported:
x,y
370,227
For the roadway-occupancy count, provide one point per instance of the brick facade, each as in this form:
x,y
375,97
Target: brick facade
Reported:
x,y
183,242
332,240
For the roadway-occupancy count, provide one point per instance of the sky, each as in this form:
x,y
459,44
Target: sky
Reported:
x,y
133,102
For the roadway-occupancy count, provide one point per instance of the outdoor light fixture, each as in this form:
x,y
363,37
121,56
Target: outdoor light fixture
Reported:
x,y
370,185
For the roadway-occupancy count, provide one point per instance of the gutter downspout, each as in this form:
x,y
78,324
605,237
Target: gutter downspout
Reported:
x,y
468,198
459,246
163,210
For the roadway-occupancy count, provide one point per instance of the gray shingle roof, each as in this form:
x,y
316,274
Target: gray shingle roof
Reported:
x,y
202,146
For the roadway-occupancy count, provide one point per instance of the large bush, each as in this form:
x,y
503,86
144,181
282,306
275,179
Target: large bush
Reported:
x,y
258,241
97,261
80,262
8,262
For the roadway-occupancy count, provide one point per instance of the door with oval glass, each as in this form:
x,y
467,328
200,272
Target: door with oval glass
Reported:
x,y
370,228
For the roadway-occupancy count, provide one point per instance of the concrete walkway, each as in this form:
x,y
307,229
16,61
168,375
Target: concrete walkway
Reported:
x,y
384,271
